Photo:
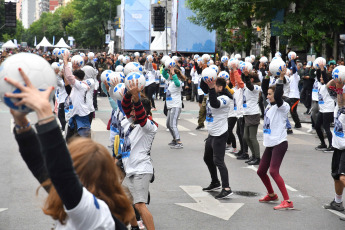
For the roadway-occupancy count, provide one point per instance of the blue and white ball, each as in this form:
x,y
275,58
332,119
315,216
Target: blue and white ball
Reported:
x,y
78,60
276,67
149,58
209,73
118,92
170,63
119,68
248,59
196,57
132,67
224,75
63,51
164,58
105,75
224,59
233,63
91,55
38,70
339,73
214,67
136,54
115,77
205,58
278,54
56,51
263,59
126,60
292,55
238,56
319,61
134,76
55,65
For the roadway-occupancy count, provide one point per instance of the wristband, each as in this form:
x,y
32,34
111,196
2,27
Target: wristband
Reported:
x,y
18,128
46,118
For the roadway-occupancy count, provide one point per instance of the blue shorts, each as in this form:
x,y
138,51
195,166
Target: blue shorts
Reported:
x,y
83,125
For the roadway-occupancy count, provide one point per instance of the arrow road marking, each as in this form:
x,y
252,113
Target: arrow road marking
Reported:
x,y
3,209
287,186
207,204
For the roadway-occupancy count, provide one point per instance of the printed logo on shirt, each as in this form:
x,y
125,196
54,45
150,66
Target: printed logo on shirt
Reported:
x,y
224,101
321,101
235,105
244,101
267,126
209,117
315,88
126,144
338,127
95,202
168,95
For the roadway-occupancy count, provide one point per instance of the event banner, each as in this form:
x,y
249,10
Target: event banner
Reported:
x,y
136,20
188,37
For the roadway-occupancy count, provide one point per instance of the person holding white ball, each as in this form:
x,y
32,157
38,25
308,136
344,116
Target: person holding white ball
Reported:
x,y
294,93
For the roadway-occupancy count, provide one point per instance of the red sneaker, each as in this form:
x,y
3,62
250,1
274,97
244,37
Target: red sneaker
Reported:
x,y
284,205
267,198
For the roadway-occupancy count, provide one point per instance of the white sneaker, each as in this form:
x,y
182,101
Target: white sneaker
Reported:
x,y
141,224
312,131
234,150
167,130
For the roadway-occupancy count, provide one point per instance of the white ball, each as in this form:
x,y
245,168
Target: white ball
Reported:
x,y
82,54
214,67
233,62
132,67
196,56
149,58
339,73
319,61
199,60
224,75
246,65
276,67
119,68
136,54
56,51
164,58
115,76
38,70
253,58
134,76
175,58
170,62
91,55
120,58
238,56
209,73
277,58
278,54
118,92
205,58
55,65
105,74
248,59
126,60
210,62
263,59
78,60
224,59
292,55
63,51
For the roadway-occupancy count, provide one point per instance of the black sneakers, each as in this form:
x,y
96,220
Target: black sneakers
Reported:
x,y
212,187
329,150
335,206
321,147
224,194
200,127
244,156
256,161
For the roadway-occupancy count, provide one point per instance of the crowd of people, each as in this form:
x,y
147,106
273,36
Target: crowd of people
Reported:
x,y
80,195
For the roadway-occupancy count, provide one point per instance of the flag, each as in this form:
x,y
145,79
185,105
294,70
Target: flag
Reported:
x,y
53,40
35,44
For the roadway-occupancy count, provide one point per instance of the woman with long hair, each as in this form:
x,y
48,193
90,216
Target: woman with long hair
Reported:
x,y
174,103
81,179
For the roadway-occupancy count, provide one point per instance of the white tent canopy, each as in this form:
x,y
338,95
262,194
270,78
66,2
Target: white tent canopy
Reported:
x,y
159,43
44,43
62,44
9,45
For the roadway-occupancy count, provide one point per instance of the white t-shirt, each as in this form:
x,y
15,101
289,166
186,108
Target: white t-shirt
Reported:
x,y
173,95
200,92
90,213
195,76
326,103
115,123
91,73
232,112
275,124
251,100
216,119
238,101
150,77
338,140
286,87
136,146
89,95
294,91
315,91
60,93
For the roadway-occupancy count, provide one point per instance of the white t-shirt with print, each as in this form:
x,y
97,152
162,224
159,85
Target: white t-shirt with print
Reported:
x,y
251,100
315,91
89,95
78,99
238,101
274,127
91,213
173,95
326,103
150,77
60,93
294,91
136,146
216,119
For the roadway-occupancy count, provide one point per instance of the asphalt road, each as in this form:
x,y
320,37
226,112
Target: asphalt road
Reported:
x,y
176,198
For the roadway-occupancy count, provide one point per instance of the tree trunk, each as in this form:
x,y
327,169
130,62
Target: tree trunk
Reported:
x,y
335,45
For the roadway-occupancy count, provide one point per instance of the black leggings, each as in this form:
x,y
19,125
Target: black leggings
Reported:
x,y
150,91
240,132
324,119
231,138
214,158
61,115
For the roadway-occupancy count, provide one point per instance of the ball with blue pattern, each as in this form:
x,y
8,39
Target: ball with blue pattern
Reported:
x,y
339,73
134,77
224,75
224,59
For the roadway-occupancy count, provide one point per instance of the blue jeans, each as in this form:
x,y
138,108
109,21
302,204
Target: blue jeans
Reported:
x,y
288,125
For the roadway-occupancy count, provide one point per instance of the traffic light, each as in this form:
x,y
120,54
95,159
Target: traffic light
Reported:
x,y
10,14
158,18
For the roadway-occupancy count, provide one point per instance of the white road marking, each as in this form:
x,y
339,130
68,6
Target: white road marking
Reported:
x,y
193,134
98,125
231,155
207,204
336,213
3,209
255,169
193,121
162,122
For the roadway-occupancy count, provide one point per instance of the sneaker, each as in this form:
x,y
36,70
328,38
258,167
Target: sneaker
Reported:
x,y
141,224
228,147
212,187
289,131
256,161
244,156
239,153
321,147
153,109
177,146
268,198
284,205
311,131
234,151
167,130
224,194
250,159
329,150
200,127
172,143
298,126
335,206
